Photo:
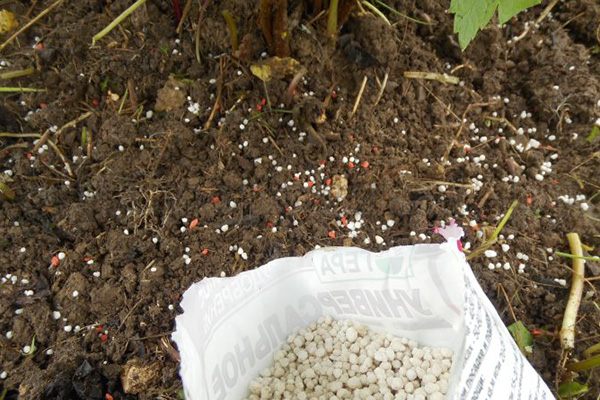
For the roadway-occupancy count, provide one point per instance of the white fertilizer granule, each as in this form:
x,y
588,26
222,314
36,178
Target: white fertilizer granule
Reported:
x,y
335,360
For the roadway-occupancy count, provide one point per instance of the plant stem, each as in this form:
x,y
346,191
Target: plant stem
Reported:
x,y
17,74
394,11
233,32
123,101
567,332
377,11
20,90
504,221
267,96
590,351
574,257
117,21
585,364
197,33
186,11
332,19
492,239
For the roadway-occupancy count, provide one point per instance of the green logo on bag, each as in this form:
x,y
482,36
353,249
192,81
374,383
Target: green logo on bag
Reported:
x,y
394,266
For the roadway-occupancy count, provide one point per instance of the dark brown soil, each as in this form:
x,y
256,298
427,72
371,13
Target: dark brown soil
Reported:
x,y
155,176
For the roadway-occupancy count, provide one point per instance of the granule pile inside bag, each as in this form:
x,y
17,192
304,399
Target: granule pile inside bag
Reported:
x,y
343,360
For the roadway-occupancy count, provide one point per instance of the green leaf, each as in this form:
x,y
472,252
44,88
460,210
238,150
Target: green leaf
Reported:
x,y
522,336
470,16
509,8
594,134
572,388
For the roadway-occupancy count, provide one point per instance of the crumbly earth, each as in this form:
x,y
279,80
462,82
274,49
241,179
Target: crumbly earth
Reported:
x,y
189,180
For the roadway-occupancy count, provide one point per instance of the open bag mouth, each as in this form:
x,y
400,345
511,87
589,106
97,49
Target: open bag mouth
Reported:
x,y
231,327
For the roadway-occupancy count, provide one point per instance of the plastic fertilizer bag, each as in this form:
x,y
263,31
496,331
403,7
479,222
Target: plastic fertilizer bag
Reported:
x,y
231,328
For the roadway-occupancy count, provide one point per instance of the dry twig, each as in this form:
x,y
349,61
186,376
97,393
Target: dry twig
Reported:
x,y
69,124
360,93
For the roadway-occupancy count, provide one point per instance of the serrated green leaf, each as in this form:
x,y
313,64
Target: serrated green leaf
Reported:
x,y
572,388
470,16
509,8
522,336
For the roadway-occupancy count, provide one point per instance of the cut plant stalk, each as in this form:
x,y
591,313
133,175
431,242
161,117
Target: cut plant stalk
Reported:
x,y
17,74
117,21
567,332
432,76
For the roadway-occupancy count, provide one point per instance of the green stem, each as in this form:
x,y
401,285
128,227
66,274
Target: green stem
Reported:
x,y
573,256
332,20
117,21
17,74
492,239
233,32
83,136
123,101
20,90
267,96
376,11
503,222
584,365
393,10
590,351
